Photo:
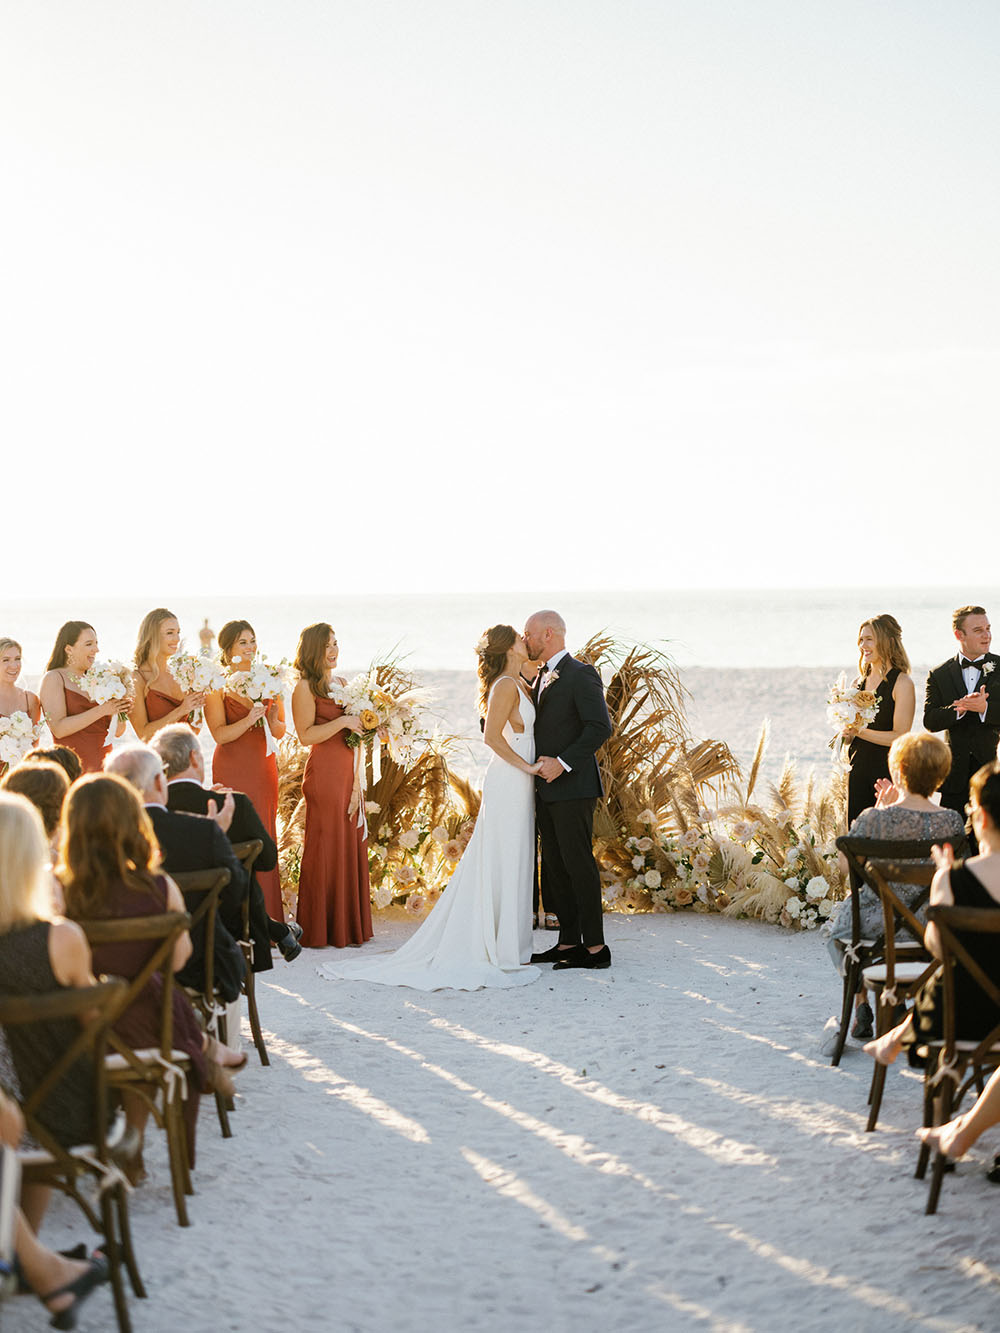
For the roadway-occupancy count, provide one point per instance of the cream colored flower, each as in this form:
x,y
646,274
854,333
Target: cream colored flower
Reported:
x,y
652,879
416,903
644,844
646,817
638,862
410,839
816,887
372,808
701,863
683,897
404,874
382,897
794,908
440,834
453,850
690,839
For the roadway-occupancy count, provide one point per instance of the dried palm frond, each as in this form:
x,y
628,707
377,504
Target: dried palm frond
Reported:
x,y
758,759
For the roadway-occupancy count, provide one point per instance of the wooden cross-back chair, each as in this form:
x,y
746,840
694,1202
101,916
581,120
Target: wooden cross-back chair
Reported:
x,y
956,1064
66,1169
201,890
247,853
156,1074
894,981
864,951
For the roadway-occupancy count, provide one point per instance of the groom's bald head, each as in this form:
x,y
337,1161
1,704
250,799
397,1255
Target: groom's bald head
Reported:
x,y
545,634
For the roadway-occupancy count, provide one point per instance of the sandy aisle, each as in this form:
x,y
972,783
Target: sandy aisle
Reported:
x,y
654,1147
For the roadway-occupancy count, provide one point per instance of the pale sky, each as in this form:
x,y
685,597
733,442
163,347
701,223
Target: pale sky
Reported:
x,y
460,294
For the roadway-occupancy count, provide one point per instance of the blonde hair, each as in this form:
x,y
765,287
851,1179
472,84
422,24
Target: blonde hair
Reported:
x,y
6,643
148,642
919,762
25,893
888,643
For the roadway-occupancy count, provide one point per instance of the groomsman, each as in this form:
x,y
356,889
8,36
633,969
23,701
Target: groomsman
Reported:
x,y
961,701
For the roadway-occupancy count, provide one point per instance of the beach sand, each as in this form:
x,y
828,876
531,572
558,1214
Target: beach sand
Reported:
x,y
657,1146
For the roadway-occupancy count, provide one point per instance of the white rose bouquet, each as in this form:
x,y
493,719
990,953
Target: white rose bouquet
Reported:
x,y
197,675
261,682
848,706
396,719
105,681
17,735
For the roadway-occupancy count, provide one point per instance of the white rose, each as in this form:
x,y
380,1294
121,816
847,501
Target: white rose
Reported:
x,y
817,887
652,879
638,862
612,892
440,834
792,855
383,897
792,882
644,845
409,839
701,862
793,907
826,907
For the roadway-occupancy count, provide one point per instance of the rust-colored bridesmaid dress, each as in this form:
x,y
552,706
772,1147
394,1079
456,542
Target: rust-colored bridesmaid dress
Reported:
x,y
334,897
159,705
91,744
245,765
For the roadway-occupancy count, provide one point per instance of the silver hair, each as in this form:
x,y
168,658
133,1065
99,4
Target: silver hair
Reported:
x,y
138,764
176,745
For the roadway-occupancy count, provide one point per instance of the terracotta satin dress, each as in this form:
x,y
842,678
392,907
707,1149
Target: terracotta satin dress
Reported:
x,y
159,705
334,897
91,744
245,765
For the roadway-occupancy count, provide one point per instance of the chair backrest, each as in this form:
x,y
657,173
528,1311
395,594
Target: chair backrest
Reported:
x,y
954,926
246,853
859,851
96,1008
201,890
897,914
165,929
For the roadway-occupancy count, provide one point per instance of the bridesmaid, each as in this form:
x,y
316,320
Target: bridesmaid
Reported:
x,y
241,760
13,699
883,669
334,897
159,700
75,720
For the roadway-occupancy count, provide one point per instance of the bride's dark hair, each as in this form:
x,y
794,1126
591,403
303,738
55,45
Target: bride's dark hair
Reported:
x,y
493,648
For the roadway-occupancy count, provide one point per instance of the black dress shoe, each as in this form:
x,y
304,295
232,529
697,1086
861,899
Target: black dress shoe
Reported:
x,y
582,957
296,929
554,954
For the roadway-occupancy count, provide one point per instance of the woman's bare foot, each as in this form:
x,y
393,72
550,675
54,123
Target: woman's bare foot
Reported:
x,y
224,1055
884,1049
951,1139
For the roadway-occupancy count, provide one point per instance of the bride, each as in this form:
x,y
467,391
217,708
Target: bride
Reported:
x,y
479,931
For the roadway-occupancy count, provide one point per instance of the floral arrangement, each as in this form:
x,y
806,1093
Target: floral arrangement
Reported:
x,y
848,706
104,681
17,735
260,682
197,674
394,718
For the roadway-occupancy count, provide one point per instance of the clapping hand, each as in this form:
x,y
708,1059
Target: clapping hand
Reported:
x,y
943,857
886,793
976,702
223,817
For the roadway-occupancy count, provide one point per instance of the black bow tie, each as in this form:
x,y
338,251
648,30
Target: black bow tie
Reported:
x,y
967,662
542,670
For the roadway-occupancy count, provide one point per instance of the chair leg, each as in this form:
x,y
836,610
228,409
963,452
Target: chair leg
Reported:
x,y
875,1095
223,1114
852,973
128,1249
250,991
114,1249
176,1147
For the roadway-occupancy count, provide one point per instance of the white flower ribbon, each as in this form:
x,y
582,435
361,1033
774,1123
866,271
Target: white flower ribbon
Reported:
x,y
946,1069
889,996
851,952
269,745
356,806
110,1175
175,1078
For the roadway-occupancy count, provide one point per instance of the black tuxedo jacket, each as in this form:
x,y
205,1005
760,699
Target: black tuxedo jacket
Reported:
x,y
571,723
192,797
189,842
973,743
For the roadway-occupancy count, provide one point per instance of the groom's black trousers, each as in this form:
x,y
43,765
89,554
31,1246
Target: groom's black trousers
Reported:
x,y
570,875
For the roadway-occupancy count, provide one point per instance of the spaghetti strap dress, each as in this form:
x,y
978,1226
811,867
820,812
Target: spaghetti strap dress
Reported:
x,y
91,744
869,761
334,894
245,765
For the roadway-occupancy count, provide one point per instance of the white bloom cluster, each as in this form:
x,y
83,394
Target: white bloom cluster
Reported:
x,y
405,732
105,681
17,735
196,674
261,681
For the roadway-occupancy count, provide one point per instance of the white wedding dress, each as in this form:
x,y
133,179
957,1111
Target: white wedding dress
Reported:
x,y
479,931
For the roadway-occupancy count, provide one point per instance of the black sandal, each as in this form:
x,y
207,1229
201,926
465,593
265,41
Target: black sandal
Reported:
x,y
97,1272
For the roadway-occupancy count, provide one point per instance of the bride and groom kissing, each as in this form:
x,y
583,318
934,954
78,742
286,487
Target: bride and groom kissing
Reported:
x,y
544,735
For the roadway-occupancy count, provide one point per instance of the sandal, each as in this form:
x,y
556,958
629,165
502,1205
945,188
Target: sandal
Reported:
x,y
551,921
98,1270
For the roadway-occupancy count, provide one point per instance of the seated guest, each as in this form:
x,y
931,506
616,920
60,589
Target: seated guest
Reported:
x,y
184,764
109,865
57,754
192,842
45,785
918,764
956,1137
971,883
62,1282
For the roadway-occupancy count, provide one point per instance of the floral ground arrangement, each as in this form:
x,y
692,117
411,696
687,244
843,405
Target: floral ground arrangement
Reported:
x,y
680,828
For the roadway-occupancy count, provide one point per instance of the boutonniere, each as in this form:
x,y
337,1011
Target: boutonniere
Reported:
x,y
988,667
550,677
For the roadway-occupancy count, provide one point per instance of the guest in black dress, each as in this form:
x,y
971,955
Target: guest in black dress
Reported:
x,y
971,883
884,669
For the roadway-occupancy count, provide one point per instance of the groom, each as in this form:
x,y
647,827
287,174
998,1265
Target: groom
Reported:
x,y
960,701
571,724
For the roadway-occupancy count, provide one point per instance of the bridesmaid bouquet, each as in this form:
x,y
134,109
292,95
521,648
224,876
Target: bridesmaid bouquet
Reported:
x,y
395,719
105,681
261,682
196,675
17,735
847,706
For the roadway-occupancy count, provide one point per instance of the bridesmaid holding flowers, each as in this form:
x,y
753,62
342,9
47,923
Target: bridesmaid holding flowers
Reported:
x,y
12,698
159,697
74,719
334,895
243,758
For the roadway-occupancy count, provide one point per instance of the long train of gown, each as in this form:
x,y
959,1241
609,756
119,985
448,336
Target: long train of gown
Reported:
x,y
479,931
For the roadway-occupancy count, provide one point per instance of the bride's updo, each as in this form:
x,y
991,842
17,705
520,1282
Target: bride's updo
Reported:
x,y
492,649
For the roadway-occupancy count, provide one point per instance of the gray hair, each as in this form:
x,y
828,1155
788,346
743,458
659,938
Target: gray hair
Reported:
x,y
138,764
176,745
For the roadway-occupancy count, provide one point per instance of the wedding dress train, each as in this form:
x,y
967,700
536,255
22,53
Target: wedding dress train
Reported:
x,y
479,931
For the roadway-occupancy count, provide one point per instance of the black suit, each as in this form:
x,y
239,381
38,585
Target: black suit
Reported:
x,y
571,723
973,742
190,796
190,842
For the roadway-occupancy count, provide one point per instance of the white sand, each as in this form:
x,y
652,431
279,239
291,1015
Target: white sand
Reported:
x,y
653,1147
